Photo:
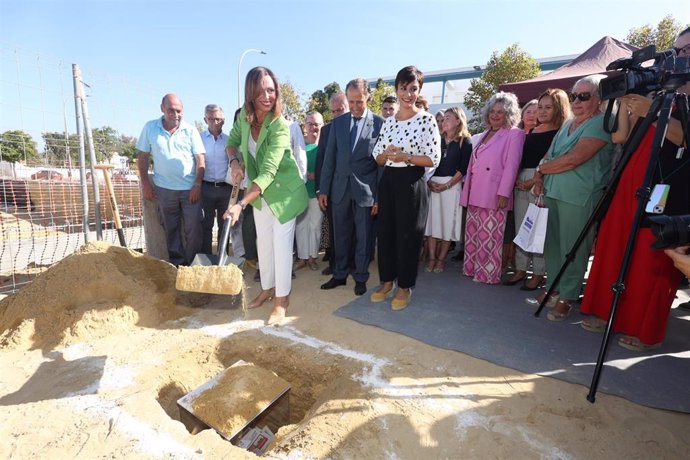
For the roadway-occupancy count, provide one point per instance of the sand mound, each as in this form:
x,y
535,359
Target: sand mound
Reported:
x,y
97,291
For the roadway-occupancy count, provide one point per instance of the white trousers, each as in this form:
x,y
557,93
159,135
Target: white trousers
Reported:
x,y
308,230
274,243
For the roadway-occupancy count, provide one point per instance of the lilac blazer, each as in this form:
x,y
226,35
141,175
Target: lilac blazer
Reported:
x,y
493,169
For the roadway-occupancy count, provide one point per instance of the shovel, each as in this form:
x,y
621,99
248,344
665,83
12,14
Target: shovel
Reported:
x,y
214,274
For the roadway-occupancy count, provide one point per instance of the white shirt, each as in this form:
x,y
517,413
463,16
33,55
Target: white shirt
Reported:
x,y
299,149
217,161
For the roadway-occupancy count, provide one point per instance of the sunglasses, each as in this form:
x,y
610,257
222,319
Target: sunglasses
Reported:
x,y
584,97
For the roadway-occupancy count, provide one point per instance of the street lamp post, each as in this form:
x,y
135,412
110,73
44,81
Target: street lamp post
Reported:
x,y
239,66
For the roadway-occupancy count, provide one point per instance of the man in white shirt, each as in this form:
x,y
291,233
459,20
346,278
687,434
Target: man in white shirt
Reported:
x,y
215,192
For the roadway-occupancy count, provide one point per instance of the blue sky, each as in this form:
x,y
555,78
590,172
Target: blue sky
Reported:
x,y
132,52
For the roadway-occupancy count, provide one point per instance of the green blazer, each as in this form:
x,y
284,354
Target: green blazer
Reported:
x,y
274,169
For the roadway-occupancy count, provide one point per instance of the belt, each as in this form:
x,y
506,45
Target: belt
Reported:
x,y
216,184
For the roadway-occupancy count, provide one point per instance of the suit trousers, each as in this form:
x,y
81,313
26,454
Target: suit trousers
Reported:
x,y
214,202
308,231
352,228
180,216
274,245
249,234
403,208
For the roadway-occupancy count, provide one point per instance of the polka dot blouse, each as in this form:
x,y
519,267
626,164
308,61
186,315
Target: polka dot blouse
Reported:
x,y
418,135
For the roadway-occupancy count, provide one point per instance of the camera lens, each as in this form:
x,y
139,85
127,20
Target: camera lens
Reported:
x,y
670,231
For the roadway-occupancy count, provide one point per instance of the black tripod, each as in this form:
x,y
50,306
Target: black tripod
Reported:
x,y
662,104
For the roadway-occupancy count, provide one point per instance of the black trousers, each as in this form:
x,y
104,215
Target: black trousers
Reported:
x,y
214,200
403,207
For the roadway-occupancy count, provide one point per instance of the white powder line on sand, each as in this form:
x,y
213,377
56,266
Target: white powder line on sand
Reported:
x,y
228,329
295,454
148,439
372,378
294,335
469,419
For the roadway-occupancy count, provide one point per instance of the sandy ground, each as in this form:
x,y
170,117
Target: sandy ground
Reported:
x,y
96,351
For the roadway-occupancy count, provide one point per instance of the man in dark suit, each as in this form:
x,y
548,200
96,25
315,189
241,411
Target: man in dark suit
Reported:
x,y
338,105
349,179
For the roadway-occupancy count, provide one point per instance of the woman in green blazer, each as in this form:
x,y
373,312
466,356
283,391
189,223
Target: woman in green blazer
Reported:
x,y
277,191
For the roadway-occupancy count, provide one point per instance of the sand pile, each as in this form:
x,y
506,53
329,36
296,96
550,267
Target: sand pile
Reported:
x,y
98,291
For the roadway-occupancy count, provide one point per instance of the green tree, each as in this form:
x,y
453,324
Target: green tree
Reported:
x,y
663,35
380,92
128,147
319,100
513,64
17,146
57,146
292,103
106,142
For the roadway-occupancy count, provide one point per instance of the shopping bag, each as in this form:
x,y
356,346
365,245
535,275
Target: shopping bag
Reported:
x,y
532,231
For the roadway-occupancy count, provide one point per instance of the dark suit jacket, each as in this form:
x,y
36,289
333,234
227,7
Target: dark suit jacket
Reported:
x,y
348,174
320,154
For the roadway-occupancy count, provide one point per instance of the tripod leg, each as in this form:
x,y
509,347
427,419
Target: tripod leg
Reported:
x,y
643,194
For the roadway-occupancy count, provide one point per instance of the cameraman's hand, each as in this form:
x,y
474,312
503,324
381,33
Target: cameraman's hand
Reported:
x,y
636,104
680,258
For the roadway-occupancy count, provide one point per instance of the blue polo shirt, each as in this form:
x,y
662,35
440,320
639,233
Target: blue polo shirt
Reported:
x,y
174,166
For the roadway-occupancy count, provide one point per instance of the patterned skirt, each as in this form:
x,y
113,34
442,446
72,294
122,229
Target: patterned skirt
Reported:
x,y
484,244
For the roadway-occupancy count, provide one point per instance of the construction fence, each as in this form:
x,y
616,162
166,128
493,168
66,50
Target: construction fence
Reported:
x,y
43,218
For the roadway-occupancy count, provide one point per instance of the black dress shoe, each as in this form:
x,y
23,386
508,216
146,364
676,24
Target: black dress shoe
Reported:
x,y
333,283
360,287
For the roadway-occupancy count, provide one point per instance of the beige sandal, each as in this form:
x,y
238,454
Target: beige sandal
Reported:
x,y
431,265
555,314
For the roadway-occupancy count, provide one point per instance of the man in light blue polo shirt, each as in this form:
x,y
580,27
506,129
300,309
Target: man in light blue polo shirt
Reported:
x,y
177,152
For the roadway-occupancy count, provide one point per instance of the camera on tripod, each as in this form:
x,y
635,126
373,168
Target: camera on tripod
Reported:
x,y
667,72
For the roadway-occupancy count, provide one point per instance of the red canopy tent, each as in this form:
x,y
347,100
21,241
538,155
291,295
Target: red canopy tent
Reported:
x,y
592,61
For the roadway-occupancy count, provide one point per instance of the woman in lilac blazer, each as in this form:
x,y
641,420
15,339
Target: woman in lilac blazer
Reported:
x,y
488,190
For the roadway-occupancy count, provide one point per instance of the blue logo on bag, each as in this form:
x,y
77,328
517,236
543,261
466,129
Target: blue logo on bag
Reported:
x,y
529,223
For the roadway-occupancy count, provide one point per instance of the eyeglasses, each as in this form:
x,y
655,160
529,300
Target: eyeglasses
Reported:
x,y
682,51
584,97
215,120
313,125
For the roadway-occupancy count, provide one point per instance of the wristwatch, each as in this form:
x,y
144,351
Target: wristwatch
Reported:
x,y
409,159
242,204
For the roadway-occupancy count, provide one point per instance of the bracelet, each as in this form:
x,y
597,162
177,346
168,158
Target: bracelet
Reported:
x,y
234,159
